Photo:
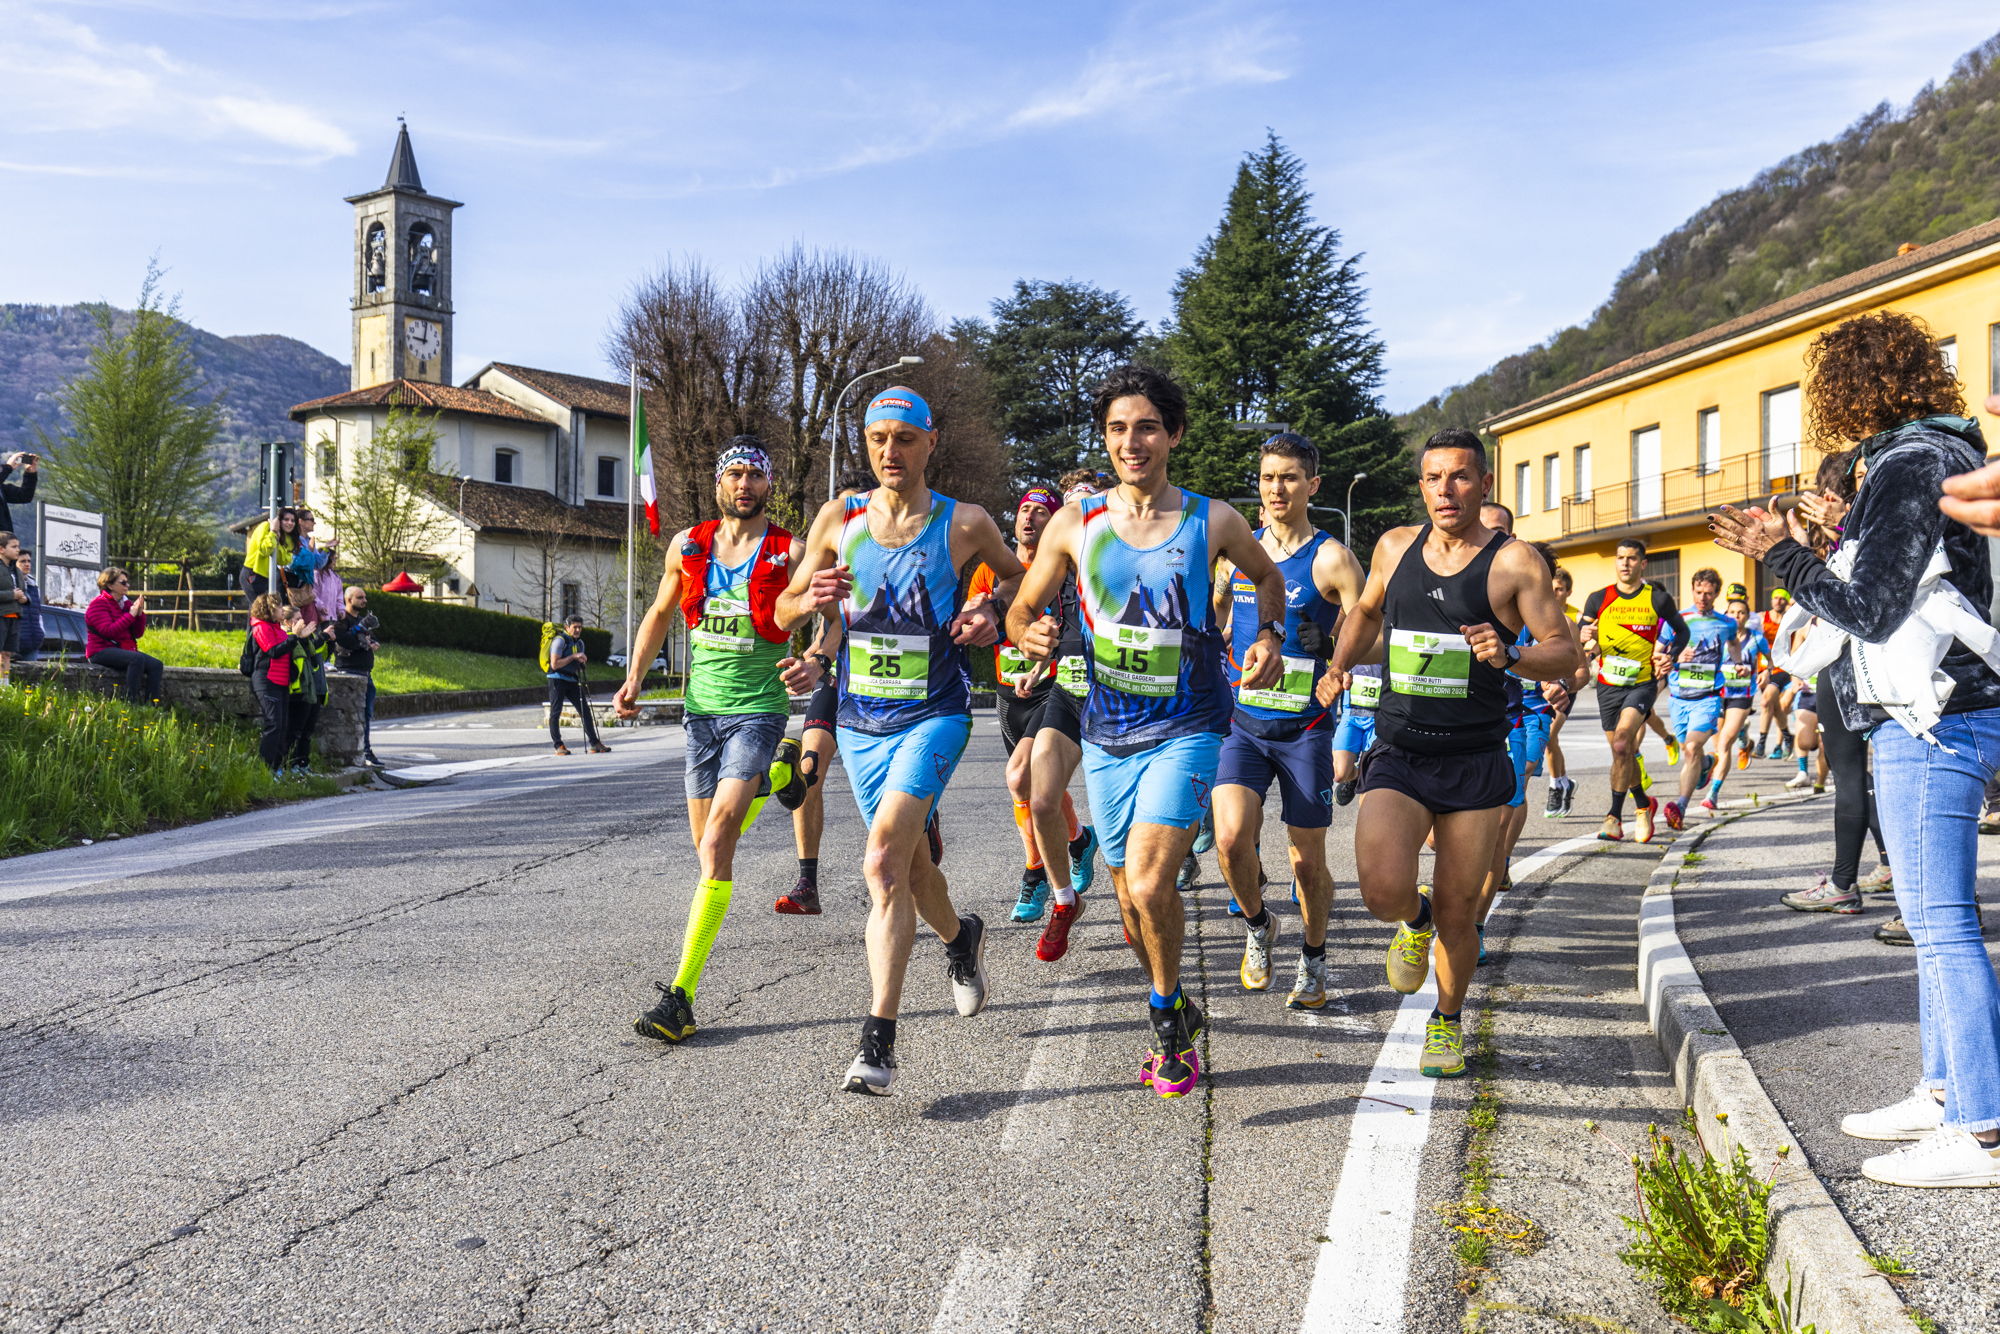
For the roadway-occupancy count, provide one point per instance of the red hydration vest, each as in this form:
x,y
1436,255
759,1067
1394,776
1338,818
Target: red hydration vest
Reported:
x,y
770,573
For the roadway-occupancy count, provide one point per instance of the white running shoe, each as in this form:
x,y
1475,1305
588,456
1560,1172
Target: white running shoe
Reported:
x,y
1946,1157
1913,1118
1256,970
873,1070
968,975
1799,780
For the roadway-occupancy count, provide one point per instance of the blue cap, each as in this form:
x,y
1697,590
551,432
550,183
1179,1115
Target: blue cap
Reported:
x,y
899,404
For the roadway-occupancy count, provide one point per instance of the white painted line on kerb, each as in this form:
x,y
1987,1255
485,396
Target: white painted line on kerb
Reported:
x,y
986,1292
1363,1268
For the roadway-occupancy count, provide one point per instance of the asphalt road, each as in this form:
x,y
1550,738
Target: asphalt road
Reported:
x,y
368,1063
1828,1019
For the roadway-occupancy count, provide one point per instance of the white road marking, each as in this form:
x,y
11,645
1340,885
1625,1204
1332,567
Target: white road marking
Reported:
x,y
1037,1121
1363,1267
244,836
986,1292
463,766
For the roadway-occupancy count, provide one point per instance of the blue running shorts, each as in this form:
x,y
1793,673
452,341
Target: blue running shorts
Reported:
x,y
1303,767
1355,734
1165,785
1526,745
1697,715
918,760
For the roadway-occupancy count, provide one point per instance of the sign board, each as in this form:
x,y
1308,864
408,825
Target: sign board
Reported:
x,y
69,554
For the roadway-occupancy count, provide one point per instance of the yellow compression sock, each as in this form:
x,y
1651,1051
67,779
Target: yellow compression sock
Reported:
x,y
705,914
1026,824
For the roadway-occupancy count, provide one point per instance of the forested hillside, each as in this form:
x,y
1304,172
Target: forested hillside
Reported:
x,y
259,375
1913,175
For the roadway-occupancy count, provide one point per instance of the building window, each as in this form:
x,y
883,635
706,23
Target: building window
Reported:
x,y
1552,481
415,459
1781,436
1664,568
503,466
1648,501
1993,360
572,601
1524,500
1708,439
329,459
1948,349
607,475
1581,472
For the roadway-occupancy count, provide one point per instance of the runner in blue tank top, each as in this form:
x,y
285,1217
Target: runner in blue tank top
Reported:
x,y
891,561
1283,732
1159,701
1446,600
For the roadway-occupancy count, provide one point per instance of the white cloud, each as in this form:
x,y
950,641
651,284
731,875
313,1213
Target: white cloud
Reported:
x,y
1137,70
58,76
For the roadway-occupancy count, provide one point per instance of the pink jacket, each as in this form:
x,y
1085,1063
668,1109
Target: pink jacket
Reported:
x,y
109,625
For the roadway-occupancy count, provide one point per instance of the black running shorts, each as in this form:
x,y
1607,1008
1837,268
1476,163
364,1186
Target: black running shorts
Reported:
x,y
1021,718
1614,700
1469,781
825,703
1064,713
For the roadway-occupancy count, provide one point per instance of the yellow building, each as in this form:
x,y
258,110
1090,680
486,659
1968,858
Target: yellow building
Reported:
x,y
1650,446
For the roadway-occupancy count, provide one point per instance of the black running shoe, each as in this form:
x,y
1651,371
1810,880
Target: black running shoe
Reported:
x,y
968,973
1190,868
793,794
936,837
672,1020
1344,792
1555,806
1569,796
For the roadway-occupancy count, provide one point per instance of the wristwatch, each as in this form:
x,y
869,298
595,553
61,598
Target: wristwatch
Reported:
x,y
1277,628
825,663
1513,654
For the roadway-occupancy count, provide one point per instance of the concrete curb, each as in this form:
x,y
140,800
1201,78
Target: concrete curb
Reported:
x,y
1811,1242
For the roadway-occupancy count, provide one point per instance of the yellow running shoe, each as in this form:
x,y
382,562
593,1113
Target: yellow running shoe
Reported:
x,y
1673,753
1444,1050
1410,954
1645,779
1742,757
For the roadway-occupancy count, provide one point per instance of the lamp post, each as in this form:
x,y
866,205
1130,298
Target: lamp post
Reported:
x,y
833,446
1347,515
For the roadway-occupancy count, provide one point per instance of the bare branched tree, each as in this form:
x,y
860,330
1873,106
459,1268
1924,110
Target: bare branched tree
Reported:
x,y
706,376
826,316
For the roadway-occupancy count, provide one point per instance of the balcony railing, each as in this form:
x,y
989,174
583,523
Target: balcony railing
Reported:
x,y
1670,495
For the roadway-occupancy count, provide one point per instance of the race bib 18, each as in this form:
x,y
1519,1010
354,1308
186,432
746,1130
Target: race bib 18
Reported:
x,y
1422,663
1620,671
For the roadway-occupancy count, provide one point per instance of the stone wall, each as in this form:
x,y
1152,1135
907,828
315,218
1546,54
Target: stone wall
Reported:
x,y
221,692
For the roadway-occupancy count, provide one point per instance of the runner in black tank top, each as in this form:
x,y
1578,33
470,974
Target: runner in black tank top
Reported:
x,y
1447,602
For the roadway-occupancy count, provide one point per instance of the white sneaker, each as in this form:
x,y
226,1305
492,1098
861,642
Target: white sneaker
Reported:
x,y
1799,779
1913,1118
1256,970
968,975
1948,1157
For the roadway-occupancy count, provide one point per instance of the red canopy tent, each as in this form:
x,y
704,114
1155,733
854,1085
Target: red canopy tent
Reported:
x,y
402,583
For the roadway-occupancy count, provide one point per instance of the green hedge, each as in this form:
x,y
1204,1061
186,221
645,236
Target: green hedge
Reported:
x,y
408,620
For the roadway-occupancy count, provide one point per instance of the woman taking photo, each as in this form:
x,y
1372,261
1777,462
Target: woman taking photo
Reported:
x,y
114,623
1877,382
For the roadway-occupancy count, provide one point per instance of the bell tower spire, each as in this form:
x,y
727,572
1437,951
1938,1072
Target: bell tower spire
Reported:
x,y
402,276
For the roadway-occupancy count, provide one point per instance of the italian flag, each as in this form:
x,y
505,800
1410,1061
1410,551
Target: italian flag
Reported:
x,y
642,458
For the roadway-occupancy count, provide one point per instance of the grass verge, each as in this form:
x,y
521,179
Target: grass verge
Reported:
x,y
1482,1226
400,669
80,766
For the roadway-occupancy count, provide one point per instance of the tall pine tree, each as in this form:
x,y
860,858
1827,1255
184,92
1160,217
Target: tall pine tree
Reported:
x,y
1270,324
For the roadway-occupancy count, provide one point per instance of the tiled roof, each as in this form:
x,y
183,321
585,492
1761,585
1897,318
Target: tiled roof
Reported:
x,y
1827,293
606,397
523,509
418,394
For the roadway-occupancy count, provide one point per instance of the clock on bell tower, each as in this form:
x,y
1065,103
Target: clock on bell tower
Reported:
x,y
402,277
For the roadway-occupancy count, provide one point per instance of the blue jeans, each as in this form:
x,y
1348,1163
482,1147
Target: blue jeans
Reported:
x,y
1929,800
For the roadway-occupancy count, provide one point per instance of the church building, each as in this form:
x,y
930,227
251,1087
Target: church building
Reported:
x,y
527,484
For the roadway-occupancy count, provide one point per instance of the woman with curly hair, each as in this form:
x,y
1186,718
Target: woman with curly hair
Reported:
x,y
1877,383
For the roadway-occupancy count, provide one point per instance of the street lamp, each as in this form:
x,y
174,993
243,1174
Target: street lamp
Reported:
x,y
833,447
1347,515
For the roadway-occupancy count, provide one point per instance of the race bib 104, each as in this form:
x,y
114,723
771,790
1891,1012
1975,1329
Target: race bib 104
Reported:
x,y
1422,663
724,626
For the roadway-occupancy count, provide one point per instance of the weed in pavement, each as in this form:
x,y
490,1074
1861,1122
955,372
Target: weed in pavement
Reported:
x,y
1480,1225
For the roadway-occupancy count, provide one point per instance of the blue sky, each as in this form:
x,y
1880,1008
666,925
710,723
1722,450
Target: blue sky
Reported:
x,y
1498,165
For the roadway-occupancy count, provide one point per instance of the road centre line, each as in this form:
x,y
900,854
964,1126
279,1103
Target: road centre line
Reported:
x,y
249,836
1363,1267
986,1292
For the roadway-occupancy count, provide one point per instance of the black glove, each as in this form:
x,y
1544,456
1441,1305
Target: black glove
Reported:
x,y
1314,639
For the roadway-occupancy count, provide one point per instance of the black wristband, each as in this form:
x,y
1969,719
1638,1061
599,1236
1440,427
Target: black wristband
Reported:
x,y
825,663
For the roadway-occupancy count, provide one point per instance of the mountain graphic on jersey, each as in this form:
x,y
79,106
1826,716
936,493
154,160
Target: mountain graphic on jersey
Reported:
x,y
1170,610
909,613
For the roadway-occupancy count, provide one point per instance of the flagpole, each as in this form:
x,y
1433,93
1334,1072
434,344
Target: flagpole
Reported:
x,y
631,487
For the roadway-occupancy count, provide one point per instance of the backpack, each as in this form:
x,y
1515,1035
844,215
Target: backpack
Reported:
x,y
548,637
252,657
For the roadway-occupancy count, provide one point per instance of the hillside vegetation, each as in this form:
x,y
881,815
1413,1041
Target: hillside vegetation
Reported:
x,y
1916,175
260,377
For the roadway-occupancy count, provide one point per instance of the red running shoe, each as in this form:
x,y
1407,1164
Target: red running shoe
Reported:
x,y
1055,936
803,901
1672,811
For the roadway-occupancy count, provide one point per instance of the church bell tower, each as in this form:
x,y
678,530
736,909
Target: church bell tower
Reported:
x,y
402,277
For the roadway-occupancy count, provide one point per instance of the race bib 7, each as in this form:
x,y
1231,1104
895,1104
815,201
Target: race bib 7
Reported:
x,y
1437,665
